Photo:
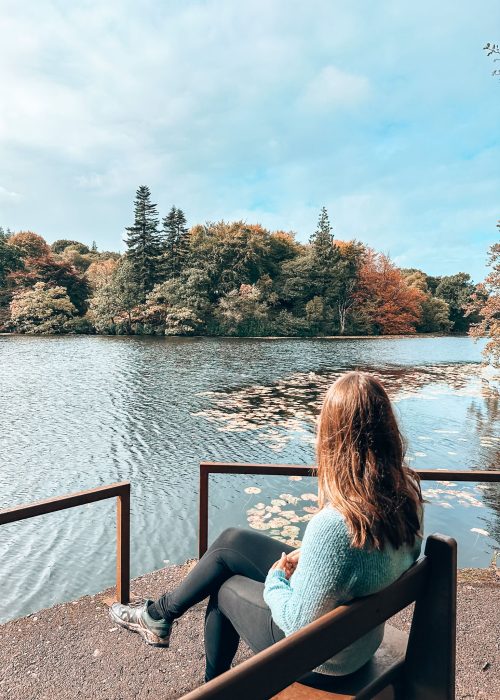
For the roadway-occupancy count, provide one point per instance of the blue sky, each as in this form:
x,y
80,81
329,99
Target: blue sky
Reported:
x,y
264,110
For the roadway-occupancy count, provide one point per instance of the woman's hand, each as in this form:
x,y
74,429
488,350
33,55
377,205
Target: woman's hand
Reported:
x,y
280,564
287,563
292,560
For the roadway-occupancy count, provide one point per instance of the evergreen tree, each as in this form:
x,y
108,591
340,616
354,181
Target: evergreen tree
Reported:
x,y
324,272
143,241
322,238
175,243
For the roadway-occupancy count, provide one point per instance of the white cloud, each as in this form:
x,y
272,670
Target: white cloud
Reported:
x,y
333,88
8,195
265,109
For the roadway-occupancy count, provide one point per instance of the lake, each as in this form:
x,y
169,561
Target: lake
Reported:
x,y
77,412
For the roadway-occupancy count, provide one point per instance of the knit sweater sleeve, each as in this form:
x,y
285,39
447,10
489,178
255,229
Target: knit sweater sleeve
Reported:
x,y
322,575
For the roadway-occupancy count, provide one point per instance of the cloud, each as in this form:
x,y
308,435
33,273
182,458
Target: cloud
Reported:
x,y
264,109
333,88
8,195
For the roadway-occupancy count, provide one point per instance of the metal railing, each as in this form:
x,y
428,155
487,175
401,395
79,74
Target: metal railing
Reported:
x,y
207,468
121,492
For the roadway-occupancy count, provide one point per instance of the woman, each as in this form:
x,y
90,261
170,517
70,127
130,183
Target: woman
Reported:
x,y
365,535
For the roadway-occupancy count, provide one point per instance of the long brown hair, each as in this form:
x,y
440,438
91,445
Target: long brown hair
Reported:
x,y
361,470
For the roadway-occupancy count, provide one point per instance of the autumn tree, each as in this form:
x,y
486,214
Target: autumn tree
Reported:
x,y
486,302
384,302
114,300
41,309
56,273
435,312
29,244
60,246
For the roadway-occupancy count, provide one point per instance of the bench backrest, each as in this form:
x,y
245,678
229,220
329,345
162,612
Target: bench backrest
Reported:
x,y
429,670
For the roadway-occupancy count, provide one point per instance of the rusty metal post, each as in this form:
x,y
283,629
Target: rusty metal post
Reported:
x,y
203,510
123,546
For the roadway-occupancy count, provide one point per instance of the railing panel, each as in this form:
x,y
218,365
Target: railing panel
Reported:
x,y
207,468
120,491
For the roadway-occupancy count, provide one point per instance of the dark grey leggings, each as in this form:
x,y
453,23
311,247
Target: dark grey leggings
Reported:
x,y
232,573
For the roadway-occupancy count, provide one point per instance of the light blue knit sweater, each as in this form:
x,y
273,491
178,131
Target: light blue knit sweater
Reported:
x,y
331,572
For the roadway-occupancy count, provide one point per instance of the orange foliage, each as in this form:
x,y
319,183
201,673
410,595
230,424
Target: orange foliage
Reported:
x,y
30,244
100,272
383,298
486,301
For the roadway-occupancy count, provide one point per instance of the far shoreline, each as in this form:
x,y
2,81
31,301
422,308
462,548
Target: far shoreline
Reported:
x,y
244,337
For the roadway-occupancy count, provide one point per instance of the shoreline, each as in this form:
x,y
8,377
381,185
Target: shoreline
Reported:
x,y
244,337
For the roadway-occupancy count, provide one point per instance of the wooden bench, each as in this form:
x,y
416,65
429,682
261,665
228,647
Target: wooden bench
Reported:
x,y
418,666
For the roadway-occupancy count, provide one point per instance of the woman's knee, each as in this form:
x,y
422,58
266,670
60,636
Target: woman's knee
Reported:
x,y
230,538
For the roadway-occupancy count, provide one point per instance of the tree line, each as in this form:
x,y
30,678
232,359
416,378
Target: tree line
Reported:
x,y
223,278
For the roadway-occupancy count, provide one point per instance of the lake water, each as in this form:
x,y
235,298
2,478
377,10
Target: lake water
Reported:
x,y
78,412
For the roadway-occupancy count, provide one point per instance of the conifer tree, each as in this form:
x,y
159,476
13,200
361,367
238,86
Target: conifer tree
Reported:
x,y
325,258
175,243
143,241
322,238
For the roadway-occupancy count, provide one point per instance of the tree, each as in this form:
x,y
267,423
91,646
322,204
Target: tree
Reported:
x,y
315,313
165,312
457,291
435,312
181,321
324,269
114,301
29,244
242,312
435,317
493,50
60,246
322,238
384,302
486,302
55,273
143,241
351,254
10,257
41,309
175,243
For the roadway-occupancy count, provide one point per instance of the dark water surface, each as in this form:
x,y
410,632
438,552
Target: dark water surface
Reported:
x,y
77,412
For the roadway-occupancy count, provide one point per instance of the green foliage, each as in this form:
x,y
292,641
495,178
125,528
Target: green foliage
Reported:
x,y
60,246
175,243
229,278
181,321
435,316
10,257
143,241
114,299
41,309
315,313
243,312
457,291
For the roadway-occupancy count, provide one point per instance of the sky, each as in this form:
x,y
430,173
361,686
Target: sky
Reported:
x,y
261,110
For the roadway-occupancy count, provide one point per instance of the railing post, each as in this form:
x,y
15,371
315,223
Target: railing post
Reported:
x,y
123,546
203,511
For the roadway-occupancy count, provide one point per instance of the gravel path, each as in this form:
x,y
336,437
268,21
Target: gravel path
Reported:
x,y
73,651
